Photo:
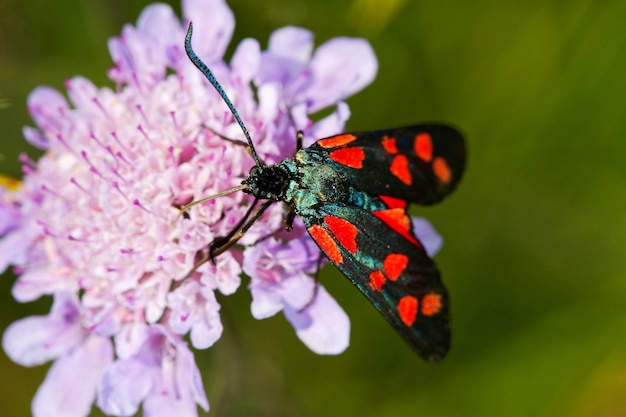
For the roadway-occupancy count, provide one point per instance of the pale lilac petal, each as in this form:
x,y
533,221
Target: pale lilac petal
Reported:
x,y
279,277
33,284
82,93
269,98
159,22
168,406
287,57
122,72
427,234
341,68
225,275
12,248
35,137
265,303
10,217
246,60
124,385
291,42
130,338
323,326
213,27
296,291
38,339
207,329
70,385
333,124
46,105
188,376
275,69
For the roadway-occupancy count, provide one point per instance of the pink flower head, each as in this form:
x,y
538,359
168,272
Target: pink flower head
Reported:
x,y
97,226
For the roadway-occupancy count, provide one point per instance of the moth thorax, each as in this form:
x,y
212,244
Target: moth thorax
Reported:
x,y
268,182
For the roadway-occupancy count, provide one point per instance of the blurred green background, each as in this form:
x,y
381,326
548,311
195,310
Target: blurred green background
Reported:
x,y
534,237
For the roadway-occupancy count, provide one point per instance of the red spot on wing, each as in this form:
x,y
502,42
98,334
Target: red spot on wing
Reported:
x,y
393,202
351,157
399,221
400,168
336,141
344,231
394,265
442,170
389,144
326,242
431,304
407,308
424,146
377,280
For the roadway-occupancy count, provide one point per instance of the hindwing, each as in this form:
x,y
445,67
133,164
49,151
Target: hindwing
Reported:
x,y
379,253
420,164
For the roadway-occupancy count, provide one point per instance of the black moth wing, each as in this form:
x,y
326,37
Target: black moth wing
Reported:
x,y
419,164
365,243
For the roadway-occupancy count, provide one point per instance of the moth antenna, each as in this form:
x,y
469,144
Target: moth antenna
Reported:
x,y
211,77
212,197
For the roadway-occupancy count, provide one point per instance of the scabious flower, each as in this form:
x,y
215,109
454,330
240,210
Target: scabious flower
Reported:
x,y
96,223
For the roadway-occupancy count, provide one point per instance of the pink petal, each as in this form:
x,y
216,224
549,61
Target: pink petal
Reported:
x,y
323,326
70,385
341,67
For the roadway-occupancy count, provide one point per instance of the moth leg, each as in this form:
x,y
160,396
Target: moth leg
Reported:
x,y
316,277
221,244
291,216
231,140
299,137
288,222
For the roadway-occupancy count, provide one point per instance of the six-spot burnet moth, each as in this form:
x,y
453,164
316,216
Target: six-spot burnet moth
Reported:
x,y
352,191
